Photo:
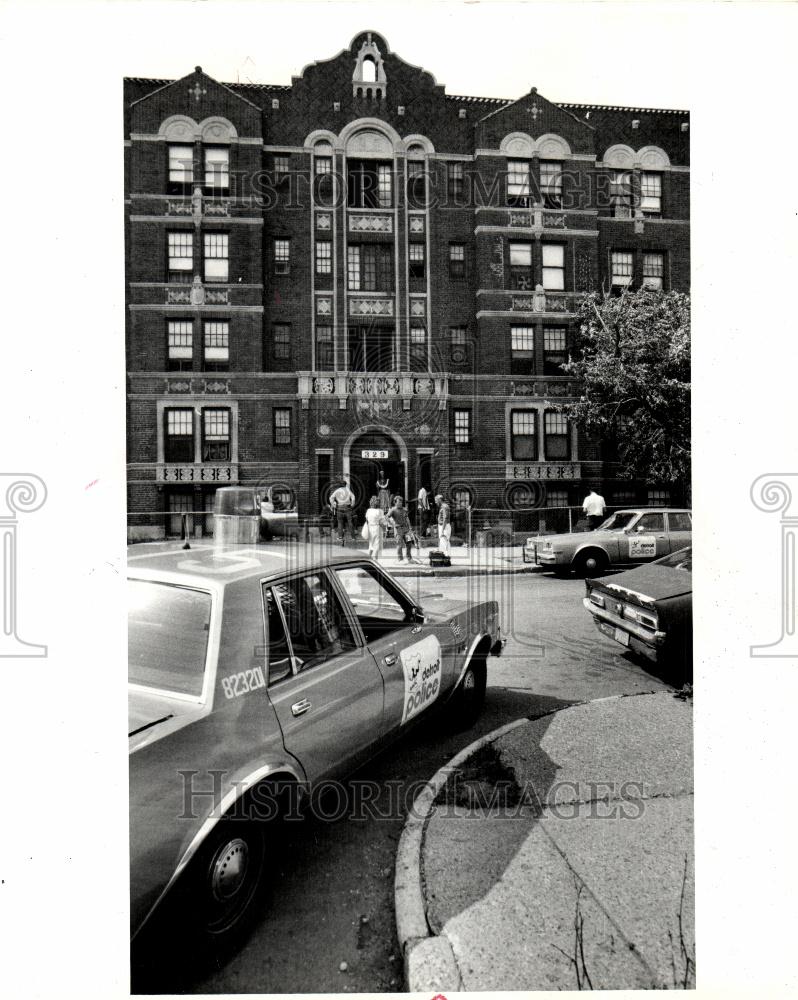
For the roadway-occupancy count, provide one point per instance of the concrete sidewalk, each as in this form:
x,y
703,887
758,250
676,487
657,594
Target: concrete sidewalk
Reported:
x,y
466,561
556,854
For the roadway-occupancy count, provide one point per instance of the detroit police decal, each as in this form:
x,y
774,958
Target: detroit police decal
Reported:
x,y
421,663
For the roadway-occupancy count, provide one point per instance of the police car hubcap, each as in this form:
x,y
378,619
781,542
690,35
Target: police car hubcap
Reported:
x,y
229,869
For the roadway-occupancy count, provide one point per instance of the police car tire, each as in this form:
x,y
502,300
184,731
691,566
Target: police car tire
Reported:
x,y
590,563
219,905
470,695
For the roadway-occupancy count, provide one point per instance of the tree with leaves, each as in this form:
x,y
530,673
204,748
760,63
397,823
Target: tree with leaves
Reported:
x,y
633,364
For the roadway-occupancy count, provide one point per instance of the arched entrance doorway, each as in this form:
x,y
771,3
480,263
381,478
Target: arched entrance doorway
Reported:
x,y
368,453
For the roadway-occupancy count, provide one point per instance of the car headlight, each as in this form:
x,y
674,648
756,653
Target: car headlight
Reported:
x,y
596,599
645,618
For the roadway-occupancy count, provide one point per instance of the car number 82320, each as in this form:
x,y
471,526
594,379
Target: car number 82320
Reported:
x,y
243,682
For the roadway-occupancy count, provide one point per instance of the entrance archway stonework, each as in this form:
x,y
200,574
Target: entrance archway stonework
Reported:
x,y
363,431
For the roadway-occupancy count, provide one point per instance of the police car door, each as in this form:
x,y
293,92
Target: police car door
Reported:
x,y
407,651
325,687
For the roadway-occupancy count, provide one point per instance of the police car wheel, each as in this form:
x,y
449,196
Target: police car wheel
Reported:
x,y
225,880
470,695
589,563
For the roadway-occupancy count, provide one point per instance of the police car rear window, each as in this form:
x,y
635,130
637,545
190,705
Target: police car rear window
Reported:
x,y
167,636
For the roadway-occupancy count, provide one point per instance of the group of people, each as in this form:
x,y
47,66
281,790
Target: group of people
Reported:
x,y
388,514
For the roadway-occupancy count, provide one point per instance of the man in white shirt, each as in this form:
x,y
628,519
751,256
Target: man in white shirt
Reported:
x,y
423,512
594,506
342,502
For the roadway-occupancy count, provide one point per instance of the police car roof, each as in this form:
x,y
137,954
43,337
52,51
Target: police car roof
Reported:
x,y
231,563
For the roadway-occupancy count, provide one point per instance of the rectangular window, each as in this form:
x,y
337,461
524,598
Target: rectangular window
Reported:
x,y
418,349
522,347
456,260
384,185
323,180
281,333
621,194
215,435
416,184
282,256
522,341
523,435
180,344
454,181
551,183
651,195
282,425
216,345
518,183
458,345
371,348
217,256
181,169
282,167
416,260
353,268
556,498
680,521
217,168
324,349
555,349
462,427
521,266
557,437
369,267
553,266
369,184
622,267
179,436
181,256
323,257
659,498
653,270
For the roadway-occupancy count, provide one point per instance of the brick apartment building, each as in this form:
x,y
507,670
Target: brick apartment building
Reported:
x,y
358,271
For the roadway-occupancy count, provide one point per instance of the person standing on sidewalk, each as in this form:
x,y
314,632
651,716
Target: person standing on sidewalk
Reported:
x,y
444,525
594,506
423,512
342,502
376,522
404,533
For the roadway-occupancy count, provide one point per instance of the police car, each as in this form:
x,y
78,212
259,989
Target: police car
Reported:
x,y
257,671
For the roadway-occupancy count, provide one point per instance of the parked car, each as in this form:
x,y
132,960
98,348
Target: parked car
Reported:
x,y
649,610
257,669
278,511
635,535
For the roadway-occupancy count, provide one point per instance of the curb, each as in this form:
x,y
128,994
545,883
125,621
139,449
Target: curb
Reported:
x,y
429,962
463,570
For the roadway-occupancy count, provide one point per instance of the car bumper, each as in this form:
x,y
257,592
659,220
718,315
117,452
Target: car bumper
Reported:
x,y
532,554
626,633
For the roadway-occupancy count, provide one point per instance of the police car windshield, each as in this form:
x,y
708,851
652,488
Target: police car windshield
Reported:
x,y
618,521
167,637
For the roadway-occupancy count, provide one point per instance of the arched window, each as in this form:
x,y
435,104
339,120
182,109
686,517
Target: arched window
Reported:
x,y
368,70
